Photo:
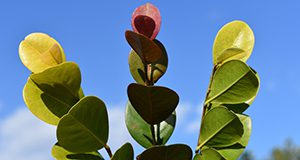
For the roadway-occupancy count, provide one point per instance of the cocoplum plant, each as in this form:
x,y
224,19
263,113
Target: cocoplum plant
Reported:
x,y
53,93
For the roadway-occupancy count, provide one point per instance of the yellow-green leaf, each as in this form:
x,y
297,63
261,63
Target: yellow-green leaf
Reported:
x,y
235,40
39,51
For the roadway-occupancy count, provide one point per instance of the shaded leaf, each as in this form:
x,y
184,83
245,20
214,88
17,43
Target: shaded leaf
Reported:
x,y
147,49
234,82
234,152
171,152
124,153
50,94
140,130
208,154
39,51
158,68
220,128
235,40
85,127
146,20
59,153
154,104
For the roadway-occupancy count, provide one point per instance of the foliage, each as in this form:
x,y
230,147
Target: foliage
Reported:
x,y
53,93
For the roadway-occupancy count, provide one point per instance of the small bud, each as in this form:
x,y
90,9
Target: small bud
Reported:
x,y
146,20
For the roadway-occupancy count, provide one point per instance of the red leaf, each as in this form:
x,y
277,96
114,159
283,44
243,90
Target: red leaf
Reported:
x,y
146,20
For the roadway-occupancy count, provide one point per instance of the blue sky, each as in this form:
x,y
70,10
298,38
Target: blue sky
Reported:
x,y
92,35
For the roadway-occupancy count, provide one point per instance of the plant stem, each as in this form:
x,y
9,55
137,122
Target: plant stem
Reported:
x,y
153,134
205,105
107,148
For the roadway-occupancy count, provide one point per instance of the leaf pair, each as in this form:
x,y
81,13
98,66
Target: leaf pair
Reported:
x,y
158,68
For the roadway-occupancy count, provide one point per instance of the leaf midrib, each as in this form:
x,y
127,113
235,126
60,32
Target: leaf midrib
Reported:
x,y
87,129
217,131
227,88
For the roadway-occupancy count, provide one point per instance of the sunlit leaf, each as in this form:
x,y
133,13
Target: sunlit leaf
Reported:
x,y
234,41
39,51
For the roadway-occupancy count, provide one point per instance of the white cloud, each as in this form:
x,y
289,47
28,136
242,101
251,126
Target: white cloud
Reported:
x,y
22,136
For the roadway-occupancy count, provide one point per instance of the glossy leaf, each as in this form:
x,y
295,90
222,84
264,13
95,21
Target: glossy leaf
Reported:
x,y
39,51
124,153
85,127
146,20
234,41
220,128
234,82
233,152
171,152
140,130
59,153
154,104
158,68
147,49
208,154
50,94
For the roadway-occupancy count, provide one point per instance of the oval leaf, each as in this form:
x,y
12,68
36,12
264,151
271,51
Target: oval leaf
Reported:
x,y
124,153
141,132
158,68
234,41
147,49
146,20
234,82
171,152
85,127
154,104
220,128
50,94
59,153
39,51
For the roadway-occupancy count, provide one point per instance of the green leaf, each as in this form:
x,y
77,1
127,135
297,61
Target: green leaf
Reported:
x,y
59,153
154,104
220,128
234,41
158,68
233,152
50,94
147,49
208,154
39,51
124,153
234,82
85,127
171,152
141,132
